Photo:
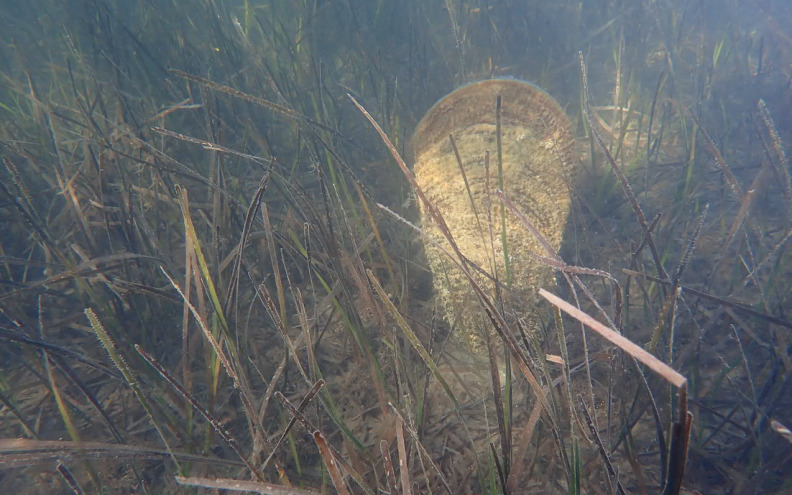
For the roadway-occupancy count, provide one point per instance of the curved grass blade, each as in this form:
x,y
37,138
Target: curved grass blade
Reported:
x,y
16,452
202,410
130,378
405,328
189,228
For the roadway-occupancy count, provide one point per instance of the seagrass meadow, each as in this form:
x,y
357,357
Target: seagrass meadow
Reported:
x,y
225,264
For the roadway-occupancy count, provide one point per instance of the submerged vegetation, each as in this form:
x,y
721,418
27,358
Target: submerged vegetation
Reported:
x,y
213,272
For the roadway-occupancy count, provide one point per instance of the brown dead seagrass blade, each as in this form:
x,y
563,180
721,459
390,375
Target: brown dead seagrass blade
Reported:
x,y
533,166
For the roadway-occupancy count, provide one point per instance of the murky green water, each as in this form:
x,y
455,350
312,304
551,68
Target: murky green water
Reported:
x,y
144,142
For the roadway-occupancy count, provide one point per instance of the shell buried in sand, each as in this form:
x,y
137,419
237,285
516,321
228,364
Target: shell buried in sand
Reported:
x,y
536,164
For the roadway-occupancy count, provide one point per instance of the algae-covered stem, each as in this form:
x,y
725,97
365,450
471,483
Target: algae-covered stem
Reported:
x,y
506,263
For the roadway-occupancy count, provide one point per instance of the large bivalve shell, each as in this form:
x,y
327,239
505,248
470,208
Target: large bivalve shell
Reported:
x,y
537,163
